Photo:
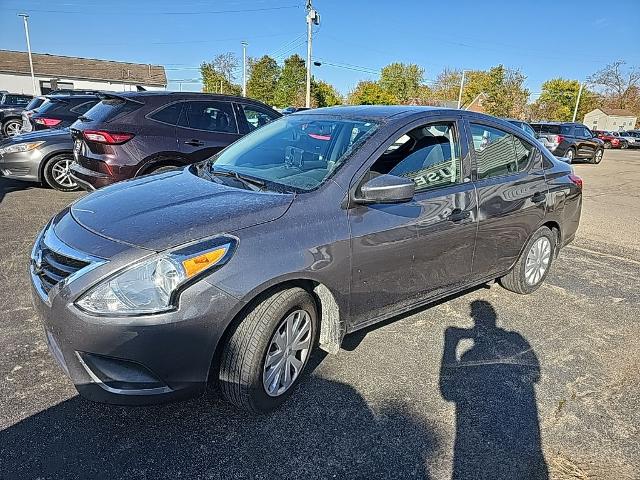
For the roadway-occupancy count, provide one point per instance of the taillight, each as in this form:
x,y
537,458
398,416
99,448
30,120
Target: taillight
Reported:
x,y
576,180
559,139
615,141
110,138
47,122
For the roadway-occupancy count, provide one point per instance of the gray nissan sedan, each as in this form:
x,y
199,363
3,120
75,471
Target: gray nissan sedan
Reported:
x,y
233,270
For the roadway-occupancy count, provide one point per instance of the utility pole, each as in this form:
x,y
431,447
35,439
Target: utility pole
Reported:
x,y
575,110
244,68
313,18
461,87
26,31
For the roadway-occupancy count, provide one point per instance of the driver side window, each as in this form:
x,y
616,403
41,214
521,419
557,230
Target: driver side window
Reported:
x,y
429,155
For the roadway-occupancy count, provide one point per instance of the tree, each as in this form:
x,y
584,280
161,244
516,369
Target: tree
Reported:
x,y
324,94
620,86
447,85
264,73
226,64
291,86
214,81
370,93
402,81
558,100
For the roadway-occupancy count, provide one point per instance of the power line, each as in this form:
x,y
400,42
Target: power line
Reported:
x,y
146,12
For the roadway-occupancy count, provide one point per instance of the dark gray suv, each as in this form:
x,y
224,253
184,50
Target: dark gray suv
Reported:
x,y
318,224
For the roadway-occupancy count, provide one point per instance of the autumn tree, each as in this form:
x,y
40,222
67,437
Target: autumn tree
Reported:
x,y
324,94
620,85
370,93
262,81
402,80
218,75
447,85
291,86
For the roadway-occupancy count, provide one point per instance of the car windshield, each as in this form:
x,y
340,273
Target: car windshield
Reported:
x,y
298,152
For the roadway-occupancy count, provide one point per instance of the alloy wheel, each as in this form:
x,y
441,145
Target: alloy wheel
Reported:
x,y
287,353
12,129
61,173
569,154
537,261
597,158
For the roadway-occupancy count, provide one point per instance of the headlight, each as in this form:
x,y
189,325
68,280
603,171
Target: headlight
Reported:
x,y
20,147
151,286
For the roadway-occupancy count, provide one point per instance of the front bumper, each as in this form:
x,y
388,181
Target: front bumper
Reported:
x,y
21,166
129,360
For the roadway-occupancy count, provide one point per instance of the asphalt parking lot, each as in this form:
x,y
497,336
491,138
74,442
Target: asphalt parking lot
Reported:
x,y
381,407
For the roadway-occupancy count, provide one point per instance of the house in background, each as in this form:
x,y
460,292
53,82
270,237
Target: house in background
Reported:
x,y
477,104
613,119
55,72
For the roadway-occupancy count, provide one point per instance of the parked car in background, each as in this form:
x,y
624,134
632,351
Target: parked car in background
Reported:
x,y
29,110
314,226
43,156
523,125
61,111
290,110
632,141
572,140
11,107
135,133
610,140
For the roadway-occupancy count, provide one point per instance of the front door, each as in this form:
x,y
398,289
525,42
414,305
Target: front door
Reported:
x,y
404,254
512,195
205,128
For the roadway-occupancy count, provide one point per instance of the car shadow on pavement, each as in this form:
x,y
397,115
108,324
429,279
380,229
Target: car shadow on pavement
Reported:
x,y
7,186
492,385
326,431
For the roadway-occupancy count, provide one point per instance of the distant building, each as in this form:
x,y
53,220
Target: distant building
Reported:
x,y
54,72
613,119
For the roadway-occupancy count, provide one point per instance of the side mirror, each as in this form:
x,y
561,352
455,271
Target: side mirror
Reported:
x,y
387,189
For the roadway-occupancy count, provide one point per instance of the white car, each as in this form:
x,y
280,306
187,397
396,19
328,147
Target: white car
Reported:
x,y
634,142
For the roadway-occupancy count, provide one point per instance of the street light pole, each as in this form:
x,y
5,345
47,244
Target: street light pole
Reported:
x,y
575,110
461,87
244,68
313,18
26,31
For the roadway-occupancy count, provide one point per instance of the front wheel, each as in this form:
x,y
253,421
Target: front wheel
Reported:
x,y
266,355
597,157
57,173
11,128
534,263
624,145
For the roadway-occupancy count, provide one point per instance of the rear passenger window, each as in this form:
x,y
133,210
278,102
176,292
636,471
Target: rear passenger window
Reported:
x,y
212,116
83,107
256,117
169,114
499,153
429,155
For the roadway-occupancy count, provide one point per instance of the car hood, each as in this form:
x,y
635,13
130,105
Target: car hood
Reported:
x,y
166,210
48,134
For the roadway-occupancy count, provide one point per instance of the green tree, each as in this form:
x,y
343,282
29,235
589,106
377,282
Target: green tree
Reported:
x,y
262,82
218,75
402,81
291,86
558,100
370,93
447,85
324,94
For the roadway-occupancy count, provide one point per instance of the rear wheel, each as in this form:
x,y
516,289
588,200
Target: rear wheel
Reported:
x,y
534,263
624,145
11,128
597,156
571,154
607,145
57,173
266,355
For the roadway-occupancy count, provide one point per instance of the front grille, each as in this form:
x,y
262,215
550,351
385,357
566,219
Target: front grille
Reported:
x,y
55,267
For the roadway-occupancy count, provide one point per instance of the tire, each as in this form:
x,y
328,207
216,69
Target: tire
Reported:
x,y
12,127
597,156
163,169
242,373
518,280
570,154
624,145
607,145
56,173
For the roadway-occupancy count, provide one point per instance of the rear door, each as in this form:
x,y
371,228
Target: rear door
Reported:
x,y
206,127
403,254
512,195
584,141
251,117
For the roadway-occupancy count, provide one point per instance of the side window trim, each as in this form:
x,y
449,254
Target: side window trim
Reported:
x,y
465,167
230,103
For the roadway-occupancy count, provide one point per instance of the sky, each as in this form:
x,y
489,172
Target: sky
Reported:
x,y
356,38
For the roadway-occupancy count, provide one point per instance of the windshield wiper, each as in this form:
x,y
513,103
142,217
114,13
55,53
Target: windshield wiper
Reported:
x,y
253,183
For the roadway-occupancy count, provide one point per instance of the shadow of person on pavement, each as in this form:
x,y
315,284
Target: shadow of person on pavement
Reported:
x,y
326,430
492,385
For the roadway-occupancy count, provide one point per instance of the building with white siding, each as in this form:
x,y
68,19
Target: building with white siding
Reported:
x,y
610,119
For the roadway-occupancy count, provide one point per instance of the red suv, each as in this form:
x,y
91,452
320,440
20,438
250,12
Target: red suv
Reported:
x,y
134,133
611,141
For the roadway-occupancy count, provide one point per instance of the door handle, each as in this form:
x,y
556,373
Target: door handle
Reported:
x,y
538,197
458,215
194,142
